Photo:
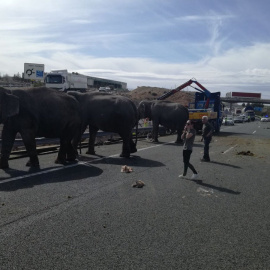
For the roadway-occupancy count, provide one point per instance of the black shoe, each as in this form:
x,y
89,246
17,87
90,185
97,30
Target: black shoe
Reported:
x,y
205,160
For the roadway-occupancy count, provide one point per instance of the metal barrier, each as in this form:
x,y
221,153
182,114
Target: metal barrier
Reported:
x,y
56,141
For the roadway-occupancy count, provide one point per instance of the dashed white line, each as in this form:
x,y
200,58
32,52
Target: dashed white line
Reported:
x,y
231,148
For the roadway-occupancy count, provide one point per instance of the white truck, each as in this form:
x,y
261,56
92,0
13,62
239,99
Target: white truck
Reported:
x,y
65,81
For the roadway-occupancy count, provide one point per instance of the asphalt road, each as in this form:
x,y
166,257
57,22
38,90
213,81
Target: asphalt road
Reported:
x,y
88,215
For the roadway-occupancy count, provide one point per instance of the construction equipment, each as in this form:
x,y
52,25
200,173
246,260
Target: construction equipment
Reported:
x,y
205,104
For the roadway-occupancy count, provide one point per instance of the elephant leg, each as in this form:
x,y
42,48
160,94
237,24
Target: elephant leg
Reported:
x,y
8,138
92,139
76,140
62,153
132,146
155,132
179,140
72,153
126,145
28,137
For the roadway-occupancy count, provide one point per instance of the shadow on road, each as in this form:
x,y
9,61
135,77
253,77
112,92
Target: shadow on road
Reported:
x,y
227,133
221,189
40,177
132,161
226,164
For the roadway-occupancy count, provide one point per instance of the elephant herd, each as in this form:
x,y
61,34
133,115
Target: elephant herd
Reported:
x,y
45,112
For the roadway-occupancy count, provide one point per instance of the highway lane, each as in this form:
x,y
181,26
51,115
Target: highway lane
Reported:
x,y
246,129
87,215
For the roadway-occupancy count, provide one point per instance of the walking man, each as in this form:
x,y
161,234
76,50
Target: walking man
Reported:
x,y
207,132
188,136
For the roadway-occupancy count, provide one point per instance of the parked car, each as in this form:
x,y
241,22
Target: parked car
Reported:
x,y
228,121
238,119
104,89
265,119
245,118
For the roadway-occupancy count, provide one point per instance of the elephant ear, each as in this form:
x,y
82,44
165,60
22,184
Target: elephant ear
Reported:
x,y
10,106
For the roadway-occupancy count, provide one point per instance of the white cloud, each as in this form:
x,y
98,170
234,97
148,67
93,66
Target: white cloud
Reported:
x,y
223,73
100,39
203,18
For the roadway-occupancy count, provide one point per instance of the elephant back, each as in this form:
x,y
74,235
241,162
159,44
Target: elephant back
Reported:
x,y
169,114
52,111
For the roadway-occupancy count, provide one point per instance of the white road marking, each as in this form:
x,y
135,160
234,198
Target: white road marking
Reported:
x,y
205,192
254,132
73,165
231,148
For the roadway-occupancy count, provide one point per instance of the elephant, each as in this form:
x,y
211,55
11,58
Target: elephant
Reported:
x,y
38,112
171,115
110,113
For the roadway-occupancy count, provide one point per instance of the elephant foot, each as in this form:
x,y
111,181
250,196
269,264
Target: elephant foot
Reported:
x,y
33,163
4,164
72,157
125,155
60,161
72,160
92,152
133,150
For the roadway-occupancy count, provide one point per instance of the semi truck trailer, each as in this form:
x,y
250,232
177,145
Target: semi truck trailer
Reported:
x,y
64,81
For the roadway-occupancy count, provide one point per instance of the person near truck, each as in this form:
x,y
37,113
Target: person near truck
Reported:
x,y
207,132
188,136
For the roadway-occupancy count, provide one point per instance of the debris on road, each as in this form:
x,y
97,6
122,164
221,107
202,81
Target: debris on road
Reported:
x,y
126,169
138,184
245,153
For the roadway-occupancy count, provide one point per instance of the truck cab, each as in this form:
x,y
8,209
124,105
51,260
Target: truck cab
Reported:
x,y
62,80
56,81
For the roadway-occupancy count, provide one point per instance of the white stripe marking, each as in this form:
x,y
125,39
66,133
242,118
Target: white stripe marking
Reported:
x,y
73,165
254,132
231,148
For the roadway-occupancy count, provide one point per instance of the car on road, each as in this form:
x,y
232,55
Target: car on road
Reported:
x,y
245,118
265,119
238,119
104,89
228,121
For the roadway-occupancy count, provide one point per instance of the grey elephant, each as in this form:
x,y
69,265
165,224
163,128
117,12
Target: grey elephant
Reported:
x,y
171,115
110,113
38,112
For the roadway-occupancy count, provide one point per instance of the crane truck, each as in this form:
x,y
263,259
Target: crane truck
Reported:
x,y
205,104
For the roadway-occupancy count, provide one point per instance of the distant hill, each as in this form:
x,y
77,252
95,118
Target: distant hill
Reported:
x,y
150,93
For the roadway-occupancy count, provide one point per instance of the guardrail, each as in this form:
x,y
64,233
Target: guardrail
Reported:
x,y
56,141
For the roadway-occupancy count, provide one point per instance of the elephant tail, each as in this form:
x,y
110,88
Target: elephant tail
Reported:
x,y
136,138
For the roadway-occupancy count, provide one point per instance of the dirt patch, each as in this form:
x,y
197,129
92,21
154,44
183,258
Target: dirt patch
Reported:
x,y
245,153
151,93
249,147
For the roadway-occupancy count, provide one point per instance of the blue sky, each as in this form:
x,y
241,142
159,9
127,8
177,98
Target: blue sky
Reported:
x,y
225,45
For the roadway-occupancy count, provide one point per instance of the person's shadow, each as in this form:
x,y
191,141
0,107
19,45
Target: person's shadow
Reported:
x,y
226,164
220,189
